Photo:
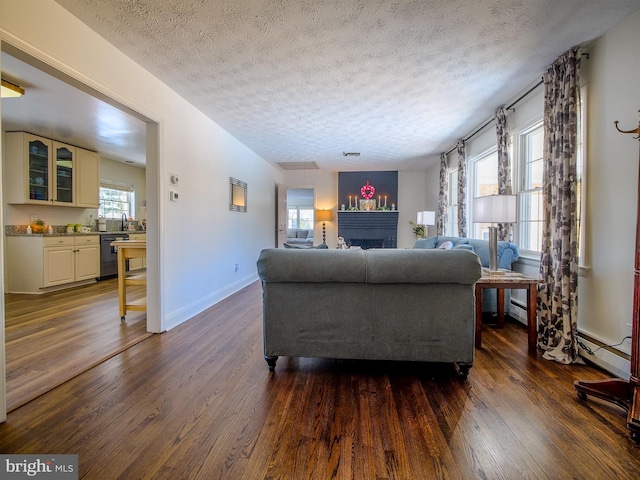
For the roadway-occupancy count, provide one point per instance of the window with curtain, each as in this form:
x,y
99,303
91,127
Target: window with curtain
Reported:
x,y
531,169
451,228
116,200
483,171
300,217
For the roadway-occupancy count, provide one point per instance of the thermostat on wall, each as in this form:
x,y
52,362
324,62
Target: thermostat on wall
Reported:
x,y
173,196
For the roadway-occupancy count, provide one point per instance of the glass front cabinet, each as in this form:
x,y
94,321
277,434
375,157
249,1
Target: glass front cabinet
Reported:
x,y
63,173
40,170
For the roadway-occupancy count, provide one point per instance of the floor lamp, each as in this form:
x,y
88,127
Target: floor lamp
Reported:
x,y
494,209
323,216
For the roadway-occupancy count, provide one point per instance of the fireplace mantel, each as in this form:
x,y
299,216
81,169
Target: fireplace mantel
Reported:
x,y
358,227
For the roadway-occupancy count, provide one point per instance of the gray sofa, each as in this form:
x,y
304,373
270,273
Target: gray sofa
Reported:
x,y
508,253
370,304
300,236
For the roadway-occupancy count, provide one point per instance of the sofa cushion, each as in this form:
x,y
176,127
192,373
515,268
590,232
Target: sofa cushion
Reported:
x,y
422,266
302,233
312,265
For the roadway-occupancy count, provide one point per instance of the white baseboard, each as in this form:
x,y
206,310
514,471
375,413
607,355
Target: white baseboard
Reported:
x,y
189,311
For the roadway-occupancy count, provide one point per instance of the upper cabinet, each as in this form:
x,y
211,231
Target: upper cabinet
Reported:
x,y
63,177
87,178
43,171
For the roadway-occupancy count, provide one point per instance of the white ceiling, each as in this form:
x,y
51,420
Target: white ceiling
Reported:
x,y
306,80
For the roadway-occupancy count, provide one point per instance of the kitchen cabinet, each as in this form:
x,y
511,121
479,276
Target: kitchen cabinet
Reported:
x,y
87,178
47,172
71,259
35,263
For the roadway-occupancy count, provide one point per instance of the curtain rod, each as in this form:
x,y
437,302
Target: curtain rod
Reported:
x,y
493,118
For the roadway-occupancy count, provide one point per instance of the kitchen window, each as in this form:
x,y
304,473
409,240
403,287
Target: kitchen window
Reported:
x,y
116,200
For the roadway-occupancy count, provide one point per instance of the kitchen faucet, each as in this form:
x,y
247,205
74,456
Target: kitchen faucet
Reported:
x,y
124,221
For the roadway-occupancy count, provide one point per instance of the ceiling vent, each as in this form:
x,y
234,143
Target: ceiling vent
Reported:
x,y
298,165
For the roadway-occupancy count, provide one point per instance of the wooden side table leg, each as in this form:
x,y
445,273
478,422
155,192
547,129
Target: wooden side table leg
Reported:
x,y
500,306
478,316
532,317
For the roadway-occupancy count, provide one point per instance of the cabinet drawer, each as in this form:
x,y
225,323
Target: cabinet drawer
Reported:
x,y
57,241
87,240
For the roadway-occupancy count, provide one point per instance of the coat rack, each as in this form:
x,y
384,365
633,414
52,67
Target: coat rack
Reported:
x,y
625,394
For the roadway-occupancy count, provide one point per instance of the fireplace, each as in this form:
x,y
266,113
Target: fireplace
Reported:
x,y
367,243
369,229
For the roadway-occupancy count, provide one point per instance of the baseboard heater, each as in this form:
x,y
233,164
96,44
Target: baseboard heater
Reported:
x,y
608,358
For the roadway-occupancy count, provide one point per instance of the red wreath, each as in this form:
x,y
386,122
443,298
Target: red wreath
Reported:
x,y
367,191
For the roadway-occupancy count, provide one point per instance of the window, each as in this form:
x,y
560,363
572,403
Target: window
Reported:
x,y
484,181
300,217
116,200
531,143
451,228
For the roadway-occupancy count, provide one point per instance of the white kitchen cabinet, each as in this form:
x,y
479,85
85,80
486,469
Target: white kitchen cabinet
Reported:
x,y
87,257
59,254
35,263
47,172
87,178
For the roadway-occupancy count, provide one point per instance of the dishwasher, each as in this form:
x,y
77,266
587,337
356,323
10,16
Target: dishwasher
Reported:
x,y
109,254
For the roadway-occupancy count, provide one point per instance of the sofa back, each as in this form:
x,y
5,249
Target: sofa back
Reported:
x,y
382,266
508,252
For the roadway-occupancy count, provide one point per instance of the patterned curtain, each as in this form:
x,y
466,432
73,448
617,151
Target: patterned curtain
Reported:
x,y
558,292
462,189
443,197
504,166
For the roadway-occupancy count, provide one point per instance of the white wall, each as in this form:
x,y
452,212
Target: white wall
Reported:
x,y
196,241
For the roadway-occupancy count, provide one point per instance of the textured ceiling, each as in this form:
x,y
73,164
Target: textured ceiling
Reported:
x,y
305,80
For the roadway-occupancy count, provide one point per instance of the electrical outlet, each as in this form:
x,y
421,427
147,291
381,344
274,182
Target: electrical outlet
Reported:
x,y
173,196
628,334
33,217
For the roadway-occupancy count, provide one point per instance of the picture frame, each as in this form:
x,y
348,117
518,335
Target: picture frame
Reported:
x,y
237,195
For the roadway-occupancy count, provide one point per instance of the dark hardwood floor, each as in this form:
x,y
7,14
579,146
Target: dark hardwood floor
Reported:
x,y
197,402
53,337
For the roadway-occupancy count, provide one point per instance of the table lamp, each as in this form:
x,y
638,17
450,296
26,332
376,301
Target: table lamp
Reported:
x,y
425,219
494,209
323,216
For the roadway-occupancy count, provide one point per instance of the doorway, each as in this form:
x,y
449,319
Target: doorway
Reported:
x,y
107,112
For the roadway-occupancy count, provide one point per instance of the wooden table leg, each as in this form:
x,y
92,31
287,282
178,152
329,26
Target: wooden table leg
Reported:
x,y
122,292
532,317
478,316
500,306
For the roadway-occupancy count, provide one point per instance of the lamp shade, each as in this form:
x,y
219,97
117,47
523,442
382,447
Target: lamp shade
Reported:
x,y
323,215
428,218
494,209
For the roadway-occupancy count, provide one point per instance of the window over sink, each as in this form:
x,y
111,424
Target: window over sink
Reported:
x,y
116,200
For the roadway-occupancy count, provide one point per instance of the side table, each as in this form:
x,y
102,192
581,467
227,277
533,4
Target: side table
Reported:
x,y
511,280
